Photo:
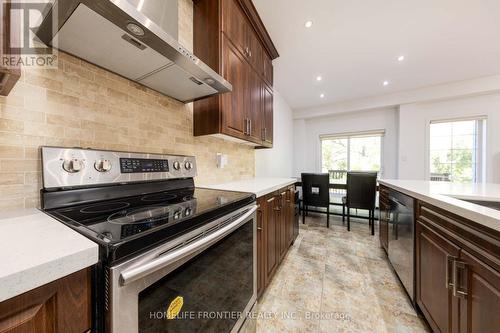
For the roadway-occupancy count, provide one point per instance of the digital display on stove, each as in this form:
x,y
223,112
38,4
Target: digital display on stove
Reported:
x,y
140,165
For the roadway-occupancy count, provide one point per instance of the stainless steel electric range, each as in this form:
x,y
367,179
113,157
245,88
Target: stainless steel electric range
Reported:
x,y
173,257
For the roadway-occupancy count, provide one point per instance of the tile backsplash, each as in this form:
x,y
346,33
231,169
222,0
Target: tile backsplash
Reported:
x,y
81,105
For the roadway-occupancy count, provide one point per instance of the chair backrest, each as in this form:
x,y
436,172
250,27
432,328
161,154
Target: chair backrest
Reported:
x,y
315,189
442,177
337,174
361,190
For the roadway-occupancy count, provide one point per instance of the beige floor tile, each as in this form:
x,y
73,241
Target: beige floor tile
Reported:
x,y
333,280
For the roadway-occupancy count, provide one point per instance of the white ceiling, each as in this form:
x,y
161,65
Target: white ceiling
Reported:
x,y
354,45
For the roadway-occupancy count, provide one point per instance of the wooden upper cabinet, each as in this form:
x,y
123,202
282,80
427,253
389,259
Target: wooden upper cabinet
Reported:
x,y
255,53
268,70
234,105
230,37
267,120
255,116
234,25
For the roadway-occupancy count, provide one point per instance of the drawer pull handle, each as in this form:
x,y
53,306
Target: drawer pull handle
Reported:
x,y
459,275
449,265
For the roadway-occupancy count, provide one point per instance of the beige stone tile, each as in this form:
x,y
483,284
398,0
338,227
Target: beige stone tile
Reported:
x,y
16,152
11,178
11,204
11,125
59,98
19,165
79,104
43,81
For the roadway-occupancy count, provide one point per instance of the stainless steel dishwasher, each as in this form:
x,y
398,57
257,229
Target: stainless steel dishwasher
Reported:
x,y
402,239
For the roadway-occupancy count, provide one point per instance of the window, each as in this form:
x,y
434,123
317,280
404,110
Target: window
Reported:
x,y
351,152
455,150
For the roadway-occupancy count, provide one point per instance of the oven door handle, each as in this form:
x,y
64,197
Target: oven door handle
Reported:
x,y
136,273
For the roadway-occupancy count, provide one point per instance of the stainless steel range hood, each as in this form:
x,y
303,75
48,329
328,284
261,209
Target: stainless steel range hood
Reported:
x,y
130,38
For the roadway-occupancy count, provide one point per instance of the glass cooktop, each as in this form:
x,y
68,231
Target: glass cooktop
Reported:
x,y
120,220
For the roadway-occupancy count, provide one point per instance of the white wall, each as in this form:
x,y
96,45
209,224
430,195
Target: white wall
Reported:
x,y
277,161
414,121
307,132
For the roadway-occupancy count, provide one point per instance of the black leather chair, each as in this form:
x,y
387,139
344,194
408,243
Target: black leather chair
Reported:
x,y
361,194
316,193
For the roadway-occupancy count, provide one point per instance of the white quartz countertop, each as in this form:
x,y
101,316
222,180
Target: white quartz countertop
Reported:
x,y
450,197
257,186
36,249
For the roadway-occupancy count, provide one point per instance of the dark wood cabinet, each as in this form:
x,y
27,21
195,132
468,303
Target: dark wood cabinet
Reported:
x,y
384,217
457,272
267,125
261,245
60,306
230,37
255,105
480,307
275,233
283,222
271,230
434,258
235,105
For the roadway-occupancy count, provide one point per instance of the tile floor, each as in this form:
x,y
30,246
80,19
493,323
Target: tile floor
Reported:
x,y
336,281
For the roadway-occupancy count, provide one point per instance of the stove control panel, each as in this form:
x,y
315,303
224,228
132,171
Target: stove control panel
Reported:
x,y
70,167
135,165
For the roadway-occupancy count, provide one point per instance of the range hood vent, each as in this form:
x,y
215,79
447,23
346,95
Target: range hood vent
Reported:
x,y
119,37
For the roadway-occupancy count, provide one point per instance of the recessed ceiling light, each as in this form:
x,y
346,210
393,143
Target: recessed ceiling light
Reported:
x,y
401,58
319,78
322,96
386,83
308,24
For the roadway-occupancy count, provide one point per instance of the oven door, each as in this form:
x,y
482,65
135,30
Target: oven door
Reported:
x,y
204,281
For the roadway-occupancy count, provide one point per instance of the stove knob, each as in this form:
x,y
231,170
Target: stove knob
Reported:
x,y
188,212
177,165
102,165
72,166
188,165
177,215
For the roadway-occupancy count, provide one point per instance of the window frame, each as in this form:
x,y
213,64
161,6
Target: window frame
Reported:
x,y
480,145
348,136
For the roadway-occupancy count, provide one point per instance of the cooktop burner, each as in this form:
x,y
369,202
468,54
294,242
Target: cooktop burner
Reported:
x,y
104,207
158,197
143,214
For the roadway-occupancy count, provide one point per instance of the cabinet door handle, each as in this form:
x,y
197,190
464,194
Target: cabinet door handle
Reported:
x,y
449,265
259,228
277,209
249,126
459,274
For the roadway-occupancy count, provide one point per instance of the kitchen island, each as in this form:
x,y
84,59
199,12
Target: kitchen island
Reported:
x,y
456,250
